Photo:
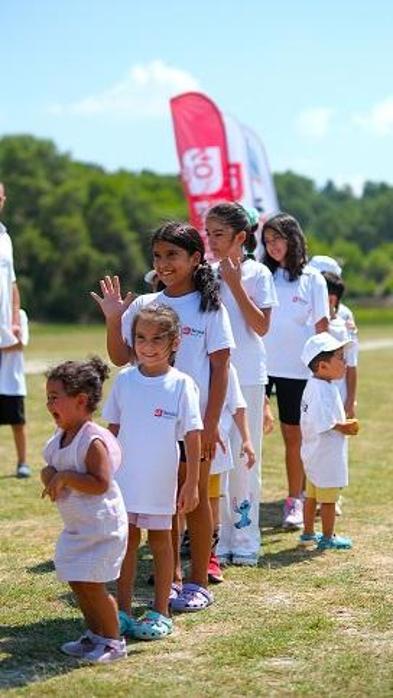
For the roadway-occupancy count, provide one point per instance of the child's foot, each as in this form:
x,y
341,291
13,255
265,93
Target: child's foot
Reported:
x,y
309,539
23,470
78,648
107,650
126,624
293,513
153,626
334,543
214,571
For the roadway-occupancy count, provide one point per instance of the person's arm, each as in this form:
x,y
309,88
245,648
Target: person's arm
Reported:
x,y
219,368
255,318
348,428
322,325
15,311
95,481
351,383
241,421
268,418
47,474
113,306
188,496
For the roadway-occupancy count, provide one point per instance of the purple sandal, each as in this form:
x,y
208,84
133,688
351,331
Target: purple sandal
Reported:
x,y
192,597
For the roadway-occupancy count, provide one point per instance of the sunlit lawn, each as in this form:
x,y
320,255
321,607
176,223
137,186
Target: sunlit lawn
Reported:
x,y
301,624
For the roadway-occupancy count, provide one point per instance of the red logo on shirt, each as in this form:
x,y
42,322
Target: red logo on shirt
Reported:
x,y
158,412
298,299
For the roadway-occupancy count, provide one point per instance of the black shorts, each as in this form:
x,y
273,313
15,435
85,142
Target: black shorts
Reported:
x,y
12,409
289,393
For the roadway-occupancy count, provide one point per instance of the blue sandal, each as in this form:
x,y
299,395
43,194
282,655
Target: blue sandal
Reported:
x,y
127,624
192,597
153,626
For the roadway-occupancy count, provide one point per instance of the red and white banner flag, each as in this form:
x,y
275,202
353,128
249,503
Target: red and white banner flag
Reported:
x,y
238,162
203,154
263,190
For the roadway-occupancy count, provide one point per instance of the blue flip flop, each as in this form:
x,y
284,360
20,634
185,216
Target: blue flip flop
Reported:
x,y
193,597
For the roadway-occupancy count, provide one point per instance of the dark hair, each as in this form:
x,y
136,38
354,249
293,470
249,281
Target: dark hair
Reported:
x,y
166,318
81,377
288,228
237,217
335,285
185,236
322,356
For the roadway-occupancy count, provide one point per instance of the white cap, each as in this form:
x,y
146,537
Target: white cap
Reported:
x,y
318,343
150,276
324,263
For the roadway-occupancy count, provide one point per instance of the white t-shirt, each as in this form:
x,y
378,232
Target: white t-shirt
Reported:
x,y
234,400
249,356
7,278
324,451
202,334
302,303
153,414
338,328
12,364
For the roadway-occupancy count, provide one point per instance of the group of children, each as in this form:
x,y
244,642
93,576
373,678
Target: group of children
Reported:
x,y
185,419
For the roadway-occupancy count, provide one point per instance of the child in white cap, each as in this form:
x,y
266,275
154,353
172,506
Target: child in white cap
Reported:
x,y
324,428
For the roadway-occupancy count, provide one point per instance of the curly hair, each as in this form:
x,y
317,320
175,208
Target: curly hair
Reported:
x,y
289,229
81,377
185,236
238,218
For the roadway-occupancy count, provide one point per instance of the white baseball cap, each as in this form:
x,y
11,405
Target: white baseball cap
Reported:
x,y
319,343
324,263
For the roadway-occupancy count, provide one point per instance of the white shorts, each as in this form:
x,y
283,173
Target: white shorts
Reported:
x,y
151,522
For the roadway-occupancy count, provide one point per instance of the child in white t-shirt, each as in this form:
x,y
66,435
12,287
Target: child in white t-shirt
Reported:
x,y
233,412
324,428
151,406
248,293
13,392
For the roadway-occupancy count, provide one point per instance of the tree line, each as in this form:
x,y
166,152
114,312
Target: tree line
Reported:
x,y
72,222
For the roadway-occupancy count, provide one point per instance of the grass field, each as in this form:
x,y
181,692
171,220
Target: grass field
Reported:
x,y
302,624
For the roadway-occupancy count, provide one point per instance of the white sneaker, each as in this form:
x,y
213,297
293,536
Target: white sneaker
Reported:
x,y
107,650
78,648
293,513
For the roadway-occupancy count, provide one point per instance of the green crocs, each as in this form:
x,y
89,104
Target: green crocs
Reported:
x,y
153,626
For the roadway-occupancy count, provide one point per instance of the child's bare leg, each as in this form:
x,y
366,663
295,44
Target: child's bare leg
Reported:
x,y
125,583
200,527
328,517
214,505
295,473
98,607
20,439
161,546
310,506
175,534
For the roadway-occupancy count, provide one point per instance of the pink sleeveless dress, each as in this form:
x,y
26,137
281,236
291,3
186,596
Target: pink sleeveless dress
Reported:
x,y
93,543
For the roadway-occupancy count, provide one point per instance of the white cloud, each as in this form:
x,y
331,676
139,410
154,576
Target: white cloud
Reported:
x,y
314,122
143,92
379,119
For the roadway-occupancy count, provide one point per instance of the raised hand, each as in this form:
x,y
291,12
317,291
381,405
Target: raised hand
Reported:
x,y
111,302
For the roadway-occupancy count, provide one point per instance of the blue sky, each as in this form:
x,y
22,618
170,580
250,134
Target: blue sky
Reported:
x,y
313,78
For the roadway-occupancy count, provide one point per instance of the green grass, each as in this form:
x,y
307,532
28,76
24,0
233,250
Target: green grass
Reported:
x,y
302,624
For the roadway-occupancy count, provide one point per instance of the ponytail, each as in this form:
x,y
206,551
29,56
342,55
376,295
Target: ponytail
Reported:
x,y
208,287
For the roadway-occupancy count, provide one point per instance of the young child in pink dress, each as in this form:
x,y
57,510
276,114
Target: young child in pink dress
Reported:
x,y
81,459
